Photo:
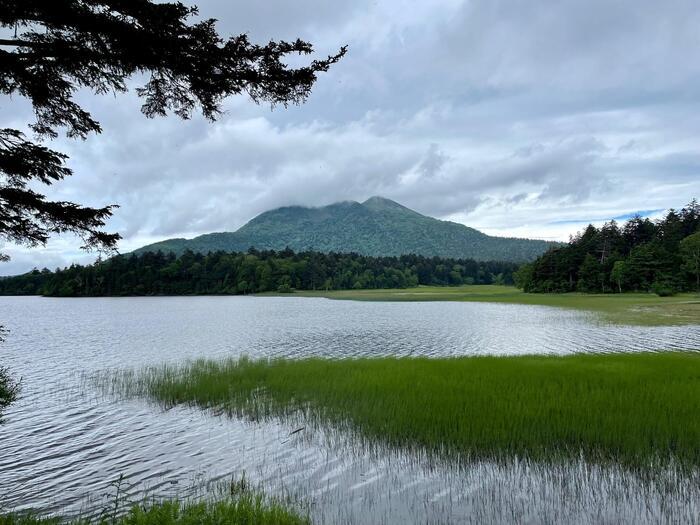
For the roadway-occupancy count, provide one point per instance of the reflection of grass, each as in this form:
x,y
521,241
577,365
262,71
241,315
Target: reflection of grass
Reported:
x,y
247,509
631,409
628,308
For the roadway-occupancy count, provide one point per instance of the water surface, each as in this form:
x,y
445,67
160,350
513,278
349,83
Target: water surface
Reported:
x,y
63,443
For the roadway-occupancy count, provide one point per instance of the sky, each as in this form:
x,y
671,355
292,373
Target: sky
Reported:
x,y
518,118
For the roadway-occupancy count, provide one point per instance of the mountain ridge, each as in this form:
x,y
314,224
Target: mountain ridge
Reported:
x,y
378,227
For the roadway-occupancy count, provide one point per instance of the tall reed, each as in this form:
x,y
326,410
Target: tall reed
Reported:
x,y
633,409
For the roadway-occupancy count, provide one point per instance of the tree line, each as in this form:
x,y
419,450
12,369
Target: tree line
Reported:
x,y
251,272
660,256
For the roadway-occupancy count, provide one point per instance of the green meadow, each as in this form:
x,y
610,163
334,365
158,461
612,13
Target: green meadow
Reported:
x,y
636,410
625,308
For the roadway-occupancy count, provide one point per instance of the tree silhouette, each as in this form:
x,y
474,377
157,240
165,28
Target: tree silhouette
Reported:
x,y
57,47
61,46
9,387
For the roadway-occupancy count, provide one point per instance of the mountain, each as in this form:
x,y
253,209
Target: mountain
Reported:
x,y
375,227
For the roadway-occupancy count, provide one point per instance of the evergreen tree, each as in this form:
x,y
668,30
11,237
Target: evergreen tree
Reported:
x,y
589,277
61,46
642,256
690,250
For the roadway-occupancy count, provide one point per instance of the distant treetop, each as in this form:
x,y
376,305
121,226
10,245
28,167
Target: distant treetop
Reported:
x,y
660,256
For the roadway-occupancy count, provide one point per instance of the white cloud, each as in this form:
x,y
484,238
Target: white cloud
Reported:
x,y
509,117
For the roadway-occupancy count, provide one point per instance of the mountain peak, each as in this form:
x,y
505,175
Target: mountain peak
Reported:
x,y
376,202
377,227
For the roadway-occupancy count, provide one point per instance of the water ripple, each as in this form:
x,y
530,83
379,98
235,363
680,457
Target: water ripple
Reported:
x,y
61,444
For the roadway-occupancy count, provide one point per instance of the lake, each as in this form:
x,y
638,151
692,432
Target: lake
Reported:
x,y
65,441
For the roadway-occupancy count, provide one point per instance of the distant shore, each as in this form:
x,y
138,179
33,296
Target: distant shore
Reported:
x,y
644,309
629,308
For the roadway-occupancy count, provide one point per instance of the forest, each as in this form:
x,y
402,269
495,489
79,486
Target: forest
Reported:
x,y
251,272
661,256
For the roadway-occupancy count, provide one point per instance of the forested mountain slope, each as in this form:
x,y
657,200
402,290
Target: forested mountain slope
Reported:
x,y
377,227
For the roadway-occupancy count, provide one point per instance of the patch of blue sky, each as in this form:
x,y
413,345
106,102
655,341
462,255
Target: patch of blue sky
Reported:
x,y
623,217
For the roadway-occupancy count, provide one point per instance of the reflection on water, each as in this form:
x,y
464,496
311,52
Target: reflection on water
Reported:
x,y
62,444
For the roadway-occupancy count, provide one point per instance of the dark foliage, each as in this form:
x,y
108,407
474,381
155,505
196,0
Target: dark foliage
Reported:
x,y
60,46
9,390
26,217
661,257
9,387
255,271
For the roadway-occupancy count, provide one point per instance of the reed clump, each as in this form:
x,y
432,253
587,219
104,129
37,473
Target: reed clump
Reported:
x,y
246,509
638,410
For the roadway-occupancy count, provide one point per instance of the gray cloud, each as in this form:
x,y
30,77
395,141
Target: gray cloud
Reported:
x,y
512,117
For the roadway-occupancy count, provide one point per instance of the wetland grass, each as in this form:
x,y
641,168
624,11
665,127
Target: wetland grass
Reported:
x,y
249,509
636,410
643,309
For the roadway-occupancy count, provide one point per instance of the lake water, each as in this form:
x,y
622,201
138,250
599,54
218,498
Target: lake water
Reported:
x,y
64,442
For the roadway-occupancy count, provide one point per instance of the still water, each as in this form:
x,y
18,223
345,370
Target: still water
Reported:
x,y
64,443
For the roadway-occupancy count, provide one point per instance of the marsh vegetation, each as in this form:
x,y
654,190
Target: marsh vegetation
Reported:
x,y
638,410
247,508
641,309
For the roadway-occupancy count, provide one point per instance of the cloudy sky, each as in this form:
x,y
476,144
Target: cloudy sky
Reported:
x,y
520,118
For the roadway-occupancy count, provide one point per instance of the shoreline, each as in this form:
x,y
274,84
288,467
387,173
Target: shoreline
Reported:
x,y
629,308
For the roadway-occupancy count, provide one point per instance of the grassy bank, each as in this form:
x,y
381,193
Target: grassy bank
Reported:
x,y
627,308
632,409
246,510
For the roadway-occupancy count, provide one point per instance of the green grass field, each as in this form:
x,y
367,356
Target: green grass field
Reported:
x,y
246,510
631,409
627,308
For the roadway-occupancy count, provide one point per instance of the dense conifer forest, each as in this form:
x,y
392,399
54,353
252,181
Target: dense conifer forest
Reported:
x,y
255,271
660,256
378,227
